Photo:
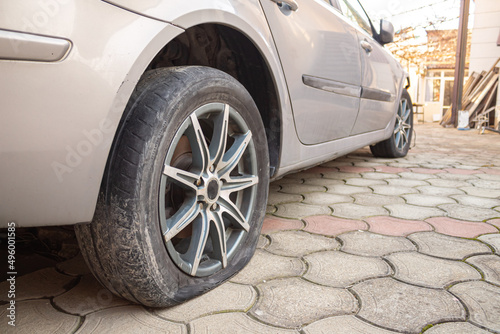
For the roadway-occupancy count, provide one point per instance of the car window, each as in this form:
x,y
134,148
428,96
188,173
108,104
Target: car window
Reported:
x,y
354,12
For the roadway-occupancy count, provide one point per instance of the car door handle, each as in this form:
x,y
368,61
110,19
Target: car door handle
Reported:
x,y
367,46
290,3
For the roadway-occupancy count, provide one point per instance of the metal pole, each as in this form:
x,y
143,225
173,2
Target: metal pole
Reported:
x,y
460,61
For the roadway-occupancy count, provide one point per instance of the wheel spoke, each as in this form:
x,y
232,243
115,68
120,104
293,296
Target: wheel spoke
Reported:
x,y
218,236
201,154
238,183
181,219
404,138
402,108
406,115
232,157
198,242
227,206
183,178
398,139
219,138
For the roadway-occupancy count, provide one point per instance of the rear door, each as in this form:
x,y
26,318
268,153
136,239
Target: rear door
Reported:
x,y
320,55
379,80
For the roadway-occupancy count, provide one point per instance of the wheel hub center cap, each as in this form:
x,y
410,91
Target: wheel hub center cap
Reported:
x,y
212,190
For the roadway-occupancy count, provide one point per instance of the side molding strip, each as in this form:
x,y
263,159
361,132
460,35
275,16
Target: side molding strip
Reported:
x,y
347,89
16,45
332,86
377,94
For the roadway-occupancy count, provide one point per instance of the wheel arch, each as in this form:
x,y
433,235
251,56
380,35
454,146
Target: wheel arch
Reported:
x,y
225,48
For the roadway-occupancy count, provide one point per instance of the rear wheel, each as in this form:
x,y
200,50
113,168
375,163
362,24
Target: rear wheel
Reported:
x,y
187,189
399,143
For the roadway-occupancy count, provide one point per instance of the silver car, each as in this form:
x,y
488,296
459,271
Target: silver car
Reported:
x,y
155,126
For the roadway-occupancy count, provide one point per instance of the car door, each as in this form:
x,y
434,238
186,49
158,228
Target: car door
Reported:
x,y
320,56
379,80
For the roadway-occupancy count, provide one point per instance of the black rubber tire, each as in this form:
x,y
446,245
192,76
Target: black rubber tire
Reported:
x,y
123,245
388,147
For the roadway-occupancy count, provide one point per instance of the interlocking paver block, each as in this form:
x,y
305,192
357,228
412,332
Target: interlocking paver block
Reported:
x,y
456,328
88,296
299,243
265,266
457,177
495,222
343,324
462,171
356,211
489,265
263,242
491,171
447,247
332,226
491,177
39,284
341,189
326,199
406,183
481,192
375,199
388,169
270,209
488,184
74,267
138,320
417,176
493,240
274,187
446,183
340,175
427,200
459,228
300,210
413,212
234,323
371,244
483,300
403,307
301,188
355,169
481,202
393,190
242,297
439,191
426,170
38,316
470,213
338,269
328,183
370,164
278,198
395,226
379,176
273,224
428,271
359,182
284,302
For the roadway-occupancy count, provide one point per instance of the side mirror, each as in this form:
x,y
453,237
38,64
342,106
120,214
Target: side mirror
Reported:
x,y
386,32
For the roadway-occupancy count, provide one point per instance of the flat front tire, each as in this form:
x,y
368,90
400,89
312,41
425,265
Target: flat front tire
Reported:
x,y
186,193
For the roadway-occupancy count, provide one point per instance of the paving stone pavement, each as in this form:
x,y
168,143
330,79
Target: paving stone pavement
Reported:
x,y
356,245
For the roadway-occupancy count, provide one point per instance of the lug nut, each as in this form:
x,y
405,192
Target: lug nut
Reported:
x,y
211,169
198,182
214,206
